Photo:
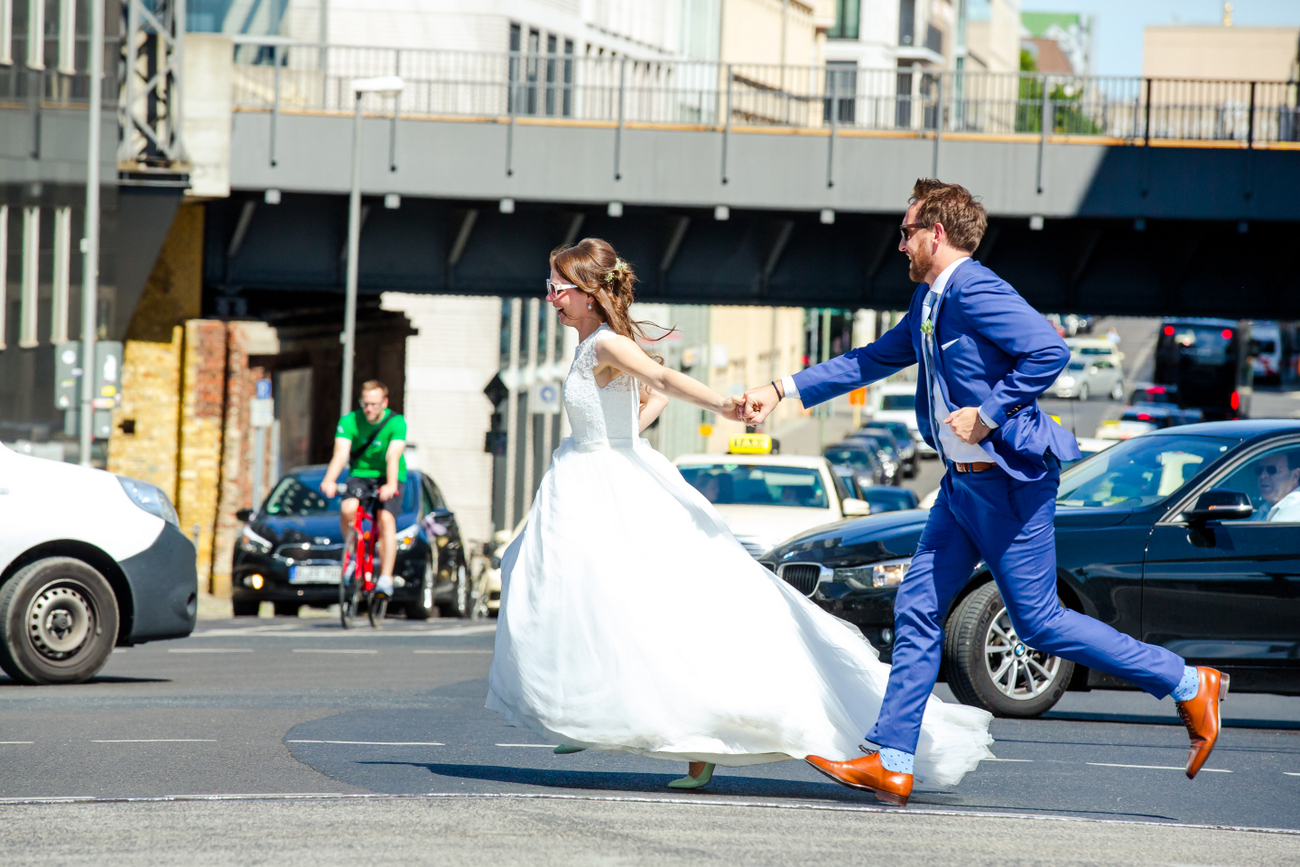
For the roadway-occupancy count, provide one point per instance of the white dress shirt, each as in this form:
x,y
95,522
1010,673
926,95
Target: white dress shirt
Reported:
x,y
1287,509
953,448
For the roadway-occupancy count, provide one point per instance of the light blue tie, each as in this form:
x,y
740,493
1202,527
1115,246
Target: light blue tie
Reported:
x,y
929,314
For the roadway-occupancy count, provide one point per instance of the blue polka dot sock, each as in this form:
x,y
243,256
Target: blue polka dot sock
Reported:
x,y
1188,686
896,760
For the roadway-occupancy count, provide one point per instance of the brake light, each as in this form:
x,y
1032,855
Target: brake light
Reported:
x,y
1227,334
1156,389
1146,416
1235,401
1169,331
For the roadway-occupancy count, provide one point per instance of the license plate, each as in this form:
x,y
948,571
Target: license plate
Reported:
x,y
315,574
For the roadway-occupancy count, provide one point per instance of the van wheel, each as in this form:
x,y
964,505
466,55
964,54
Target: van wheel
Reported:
x,y
988,665
1117,393
58,622
1084,393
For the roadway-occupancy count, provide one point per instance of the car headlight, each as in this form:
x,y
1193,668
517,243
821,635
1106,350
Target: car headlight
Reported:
x,y
406,538
887,574
252,543
1066,381
150,498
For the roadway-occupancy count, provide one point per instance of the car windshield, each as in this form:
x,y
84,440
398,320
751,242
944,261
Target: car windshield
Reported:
x,y
1139,471
1076,365
1094,350
858,459
298,495
880,444
892,402
759,485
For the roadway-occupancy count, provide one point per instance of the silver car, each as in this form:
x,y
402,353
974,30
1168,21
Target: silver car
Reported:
x,y
1086,376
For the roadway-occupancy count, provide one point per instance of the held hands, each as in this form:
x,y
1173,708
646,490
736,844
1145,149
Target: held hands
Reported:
x,y
737,411
759,403
967,424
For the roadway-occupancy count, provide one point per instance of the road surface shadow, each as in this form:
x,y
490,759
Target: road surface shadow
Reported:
x,y
8,681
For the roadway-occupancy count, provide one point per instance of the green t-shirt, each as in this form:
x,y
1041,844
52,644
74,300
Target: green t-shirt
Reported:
x,y
371,464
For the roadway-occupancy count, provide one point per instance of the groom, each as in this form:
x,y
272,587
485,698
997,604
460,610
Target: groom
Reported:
x,y
985,357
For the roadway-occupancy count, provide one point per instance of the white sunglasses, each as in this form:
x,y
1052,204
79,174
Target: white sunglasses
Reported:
x,y
552,286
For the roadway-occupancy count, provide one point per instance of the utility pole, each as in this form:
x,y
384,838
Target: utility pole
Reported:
x,y
90,243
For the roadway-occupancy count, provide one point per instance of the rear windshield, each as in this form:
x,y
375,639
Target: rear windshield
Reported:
x,y
858,459
748,484
1207,344
898,401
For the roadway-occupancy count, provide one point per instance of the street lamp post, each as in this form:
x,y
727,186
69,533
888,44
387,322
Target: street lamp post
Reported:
x,y
90,242
386,85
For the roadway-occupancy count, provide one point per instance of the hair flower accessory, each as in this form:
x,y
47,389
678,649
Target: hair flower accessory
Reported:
x,y
619,265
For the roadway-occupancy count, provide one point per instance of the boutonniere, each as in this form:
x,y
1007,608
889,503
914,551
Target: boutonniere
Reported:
x,y
927,327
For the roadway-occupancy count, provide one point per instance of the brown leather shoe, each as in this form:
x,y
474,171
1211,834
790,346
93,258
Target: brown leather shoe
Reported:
x,y
868,775
1201,716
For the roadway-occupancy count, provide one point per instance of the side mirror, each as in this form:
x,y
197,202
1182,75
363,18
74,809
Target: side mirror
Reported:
x,y
244,515
1220,504
855,508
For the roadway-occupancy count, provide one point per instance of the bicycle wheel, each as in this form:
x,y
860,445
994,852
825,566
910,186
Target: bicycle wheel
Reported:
x,y
376,609
349,584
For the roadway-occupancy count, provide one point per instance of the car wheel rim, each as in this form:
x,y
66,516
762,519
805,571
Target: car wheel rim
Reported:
x,y
1018,671
426,592
59,620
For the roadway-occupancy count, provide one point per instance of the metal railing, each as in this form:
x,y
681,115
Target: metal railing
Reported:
x,y
623,90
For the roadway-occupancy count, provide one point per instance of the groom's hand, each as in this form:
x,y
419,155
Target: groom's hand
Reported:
x,y
759,403
967,425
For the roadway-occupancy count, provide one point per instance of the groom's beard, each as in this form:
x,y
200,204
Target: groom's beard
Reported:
x,y
921,262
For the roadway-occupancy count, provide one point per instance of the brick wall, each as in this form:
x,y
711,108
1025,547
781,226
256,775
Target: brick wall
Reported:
x,y
203,401
150,411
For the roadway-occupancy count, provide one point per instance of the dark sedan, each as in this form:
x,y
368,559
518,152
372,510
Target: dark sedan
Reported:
x,y
1183,537
290,553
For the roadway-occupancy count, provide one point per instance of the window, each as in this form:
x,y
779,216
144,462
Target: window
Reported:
x,y
761,485
847,16
906,22
934,39
1139,471
842,88
898,402
1272,481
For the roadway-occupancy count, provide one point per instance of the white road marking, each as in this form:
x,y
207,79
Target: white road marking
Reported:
x,y
210,650
332,650
155,741
1006,760
1158,767
530,746
375,743
282,631
1288,773
450,650
15,743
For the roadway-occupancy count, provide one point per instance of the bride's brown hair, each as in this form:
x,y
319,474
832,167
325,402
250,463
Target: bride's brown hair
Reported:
x,y
594,267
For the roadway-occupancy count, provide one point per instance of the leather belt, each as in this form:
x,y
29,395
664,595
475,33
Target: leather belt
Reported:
x,y
976,467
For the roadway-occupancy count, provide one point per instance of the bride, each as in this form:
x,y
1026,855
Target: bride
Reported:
x,y
595,646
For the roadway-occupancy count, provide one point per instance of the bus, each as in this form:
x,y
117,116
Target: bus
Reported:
x,y
1206,365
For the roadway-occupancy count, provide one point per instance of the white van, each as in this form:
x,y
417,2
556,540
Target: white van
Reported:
x,y
1268,361
897,402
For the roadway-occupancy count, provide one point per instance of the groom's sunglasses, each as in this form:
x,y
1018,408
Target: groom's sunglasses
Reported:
x,y
902,230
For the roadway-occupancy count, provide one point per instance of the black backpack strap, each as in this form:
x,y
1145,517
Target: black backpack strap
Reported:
x,y
358,452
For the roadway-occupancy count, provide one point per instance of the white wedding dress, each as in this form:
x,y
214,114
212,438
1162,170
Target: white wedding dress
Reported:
x,y
633,621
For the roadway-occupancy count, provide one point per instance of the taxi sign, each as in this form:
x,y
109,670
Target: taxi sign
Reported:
x,y
750,444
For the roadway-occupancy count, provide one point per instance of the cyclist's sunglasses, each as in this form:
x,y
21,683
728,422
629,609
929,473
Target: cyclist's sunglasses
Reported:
x,y
902,230
364,405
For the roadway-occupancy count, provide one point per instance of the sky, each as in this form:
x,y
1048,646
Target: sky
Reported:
x,y
1119,23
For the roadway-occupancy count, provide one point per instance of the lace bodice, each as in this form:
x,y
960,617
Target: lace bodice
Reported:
x,y
596,413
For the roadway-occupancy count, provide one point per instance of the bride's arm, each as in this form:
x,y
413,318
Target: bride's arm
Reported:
x,y
621,353
652,404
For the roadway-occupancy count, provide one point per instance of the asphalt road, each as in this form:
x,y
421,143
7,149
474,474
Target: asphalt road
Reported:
x,y
289,740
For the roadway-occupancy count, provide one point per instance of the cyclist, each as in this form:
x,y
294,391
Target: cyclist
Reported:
x,y
372,440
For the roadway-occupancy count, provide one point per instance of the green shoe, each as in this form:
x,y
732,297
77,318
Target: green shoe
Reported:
x,y
689,782
565,749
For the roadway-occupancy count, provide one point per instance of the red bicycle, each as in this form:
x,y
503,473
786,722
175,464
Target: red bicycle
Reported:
x,y
358,580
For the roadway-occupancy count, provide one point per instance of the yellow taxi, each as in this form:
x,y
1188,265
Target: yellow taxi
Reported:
x,y
766,498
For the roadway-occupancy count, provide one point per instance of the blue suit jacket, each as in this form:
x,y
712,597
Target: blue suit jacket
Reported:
x,y
992,350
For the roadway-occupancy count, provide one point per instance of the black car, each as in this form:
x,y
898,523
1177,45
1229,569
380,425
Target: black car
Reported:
x,y
291,551
1164,536
882,447
901,437
867,469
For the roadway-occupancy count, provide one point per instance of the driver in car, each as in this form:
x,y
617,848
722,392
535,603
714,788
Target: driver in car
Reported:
x,y
1279,478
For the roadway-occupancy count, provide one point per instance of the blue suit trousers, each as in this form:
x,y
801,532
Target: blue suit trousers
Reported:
x,y
1009,524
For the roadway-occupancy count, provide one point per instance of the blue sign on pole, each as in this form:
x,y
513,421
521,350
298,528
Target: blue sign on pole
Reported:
x,y
263,389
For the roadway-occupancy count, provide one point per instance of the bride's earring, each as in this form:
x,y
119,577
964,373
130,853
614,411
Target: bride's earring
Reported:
x,y
588,305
